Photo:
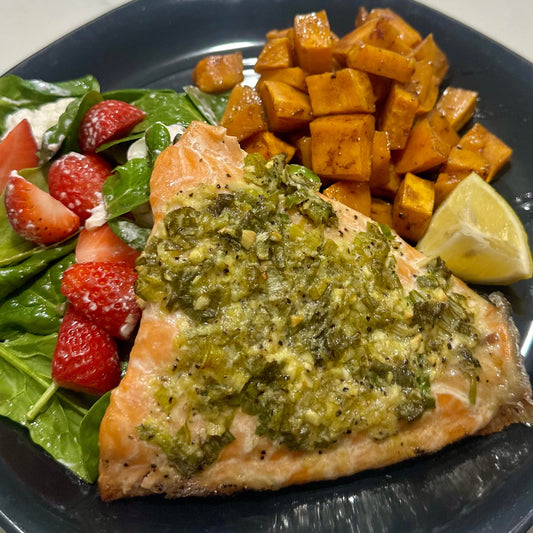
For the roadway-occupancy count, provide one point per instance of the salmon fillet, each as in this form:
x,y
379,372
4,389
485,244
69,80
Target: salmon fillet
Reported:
x,y
132,466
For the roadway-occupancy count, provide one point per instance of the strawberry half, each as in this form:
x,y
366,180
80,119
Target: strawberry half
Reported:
x,y
36,215
76,179
104,293
102,244
106,121
18,150
86,357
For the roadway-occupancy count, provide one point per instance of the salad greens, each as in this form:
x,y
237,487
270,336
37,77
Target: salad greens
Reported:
x,y
31,302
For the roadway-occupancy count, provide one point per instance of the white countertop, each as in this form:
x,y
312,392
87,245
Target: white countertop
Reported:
x,y
26,26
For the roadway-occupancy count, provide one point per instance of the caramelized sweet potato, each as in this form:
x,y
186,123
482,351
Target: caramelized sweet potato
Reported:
x,y
286,108
413,207
398,115
276,54
244,114
379,174
457,105
354,194
313,42
405,32
268,145
428,50
462,162
341,146
494,150
382,62
303,150
218,73
381,211
421,83
342,92
444,185
294,76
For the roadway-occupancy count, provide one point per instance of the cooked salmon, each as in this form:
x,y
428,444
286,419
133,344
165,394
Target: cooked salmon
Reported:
x,y
133,465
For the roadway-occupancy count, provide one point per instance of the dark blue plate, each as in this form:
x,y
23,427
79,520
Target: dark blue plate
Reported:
x,y
478,485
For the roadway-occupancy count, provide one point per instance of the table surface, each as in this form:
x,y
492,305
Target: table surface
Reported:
x,y
26,26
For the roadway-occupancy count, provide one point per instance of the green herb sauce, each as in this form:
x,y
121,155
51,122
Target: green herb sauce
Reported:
x,y
314,336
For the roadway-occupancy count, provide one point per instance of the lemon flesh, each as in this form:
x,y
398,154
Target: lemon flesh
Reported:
x,y
479,236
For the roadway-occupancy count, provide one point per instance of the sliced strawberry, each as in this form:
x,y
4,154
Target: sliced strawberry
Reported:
x,y
35,215
102,244
104,293
106,121
86,357
76,179
18,150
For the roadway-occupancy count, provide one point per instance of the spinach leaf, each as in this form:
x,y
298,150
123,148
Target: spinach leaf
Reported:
x,y
157,139
37,307
89,428
17,93
212,106
130,233
127,188
24,376
166,106
13,247
14,276
64,135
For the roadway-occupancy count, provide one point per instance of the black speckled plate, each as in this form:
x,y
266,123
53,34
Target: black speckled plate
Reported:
x,y
478,485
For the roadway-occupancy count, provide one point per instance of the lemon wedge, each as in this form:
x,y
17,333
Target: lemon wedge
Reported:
x,y
479,236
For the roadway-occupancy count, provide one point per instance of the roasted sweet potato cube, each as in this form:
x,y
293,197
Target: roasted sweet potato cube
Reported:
x,y
342,92
420,83
361,16
313,42
303,151
444,185
381,211
428,50
276,54
354,194
398,115
286,108
294,76
442,127
382,62
379,174
285,32
462,162
244,113
426,105
268,145
361,34
218,73
413,207
457,105
406,33
341,146
380,86
425,149
494,150
390,187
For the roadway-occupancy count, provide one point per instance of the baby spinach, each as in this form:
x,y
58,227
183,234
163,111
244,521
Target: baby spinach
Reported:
x,y
132,234
212,106
17,93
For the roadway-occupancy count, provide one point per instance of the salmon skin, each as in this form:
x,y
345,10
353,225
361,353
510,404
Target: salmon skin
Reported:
x,y
133,465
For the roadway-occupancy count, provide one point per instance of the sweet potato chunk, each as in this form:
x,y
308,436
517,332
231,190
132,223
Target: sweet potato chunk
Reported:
x,y
379,174
303,150
382,62
428,50
218,73
341,146
457,105
389,188
276,54
462,162
341,92
313,42
244,114
381,211
354,194
413,207
444,185
442,127
286,108
398,115
294,76
405,32
268,145
425,149
494,150
421,83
